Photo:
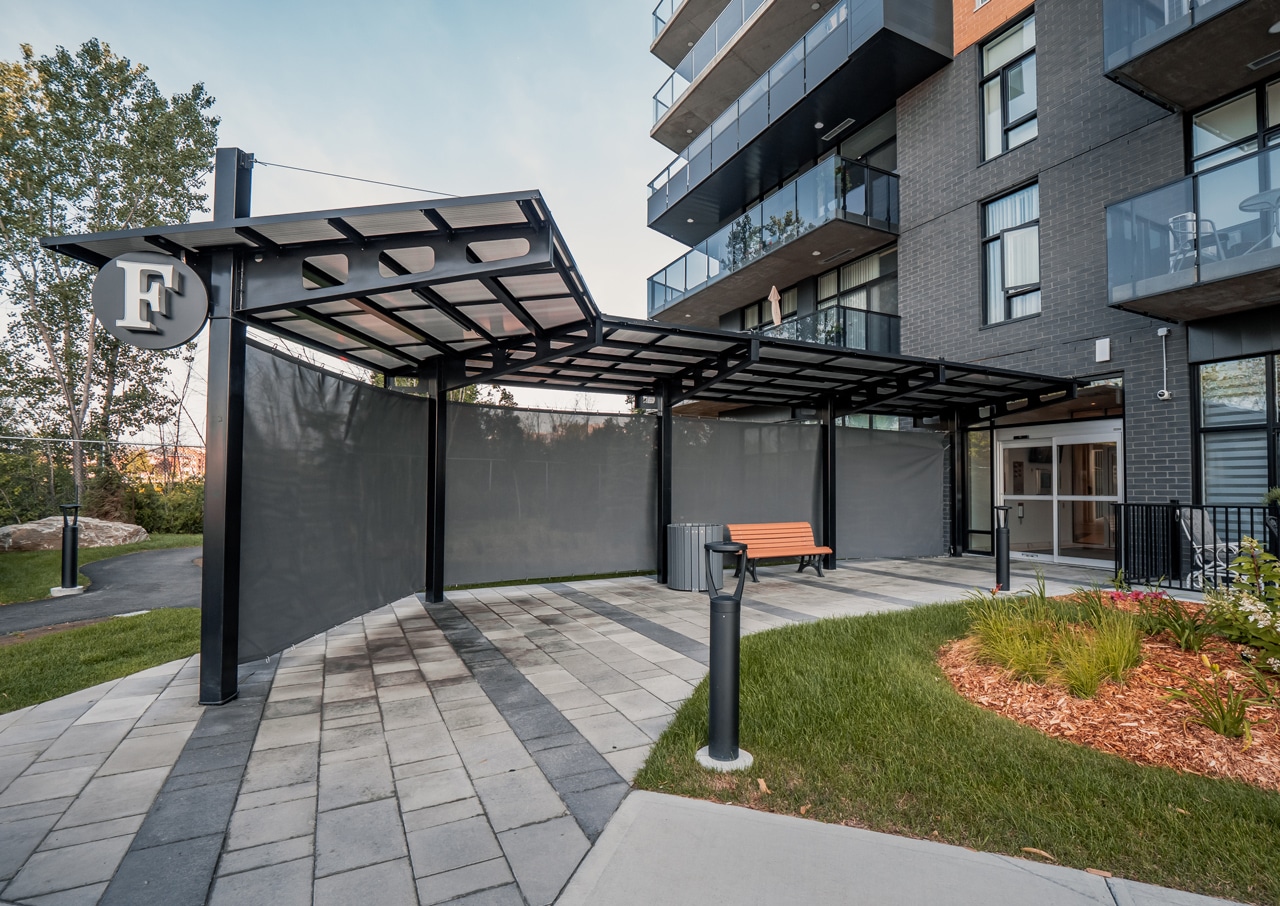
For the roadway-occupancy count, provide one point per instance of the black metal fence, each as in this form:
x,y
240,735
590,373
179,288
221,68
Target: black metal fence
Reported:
x,y
1188,547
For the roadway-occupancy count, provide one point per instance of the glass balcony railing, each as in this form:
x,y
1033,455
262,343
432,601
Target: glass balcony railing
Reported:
x,y
1132,27
662,14
836,189
1213,225
848,328
704,50
801,69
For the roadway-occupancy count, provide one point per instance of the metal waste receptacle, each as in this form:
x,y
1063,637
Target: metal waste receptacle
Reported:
x,y
686,569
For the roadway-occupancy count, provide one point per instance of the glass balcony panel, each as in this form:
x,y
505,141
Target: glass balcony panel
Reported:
x,y
1131,27
700,165
780,218
698,59
724,137
854,190
752,119
727,25
808,200
1237,229
826,46
657,204
1151,242
697,270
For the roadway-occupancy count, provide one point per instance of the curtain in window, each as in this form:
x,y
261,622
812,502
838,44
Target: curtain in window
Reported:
x,y
1022,256
1013,210
1235,467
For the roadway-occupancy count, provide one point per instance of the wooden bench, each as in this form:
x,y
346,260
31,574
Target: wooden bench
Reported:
x,y
768,540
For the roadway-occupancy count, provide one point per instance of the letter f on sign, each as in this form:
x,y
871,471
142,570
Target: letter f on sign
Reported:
x,y
142,295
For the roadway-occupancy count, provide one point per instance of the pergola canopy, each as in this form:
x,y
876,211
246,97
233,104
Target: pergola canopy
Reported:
x,y
485,288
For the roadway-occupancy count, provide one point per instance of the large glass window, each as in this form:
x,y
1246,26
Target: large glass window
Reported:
x,y
1009,89
1235,127
1236,426
1011,253
869,283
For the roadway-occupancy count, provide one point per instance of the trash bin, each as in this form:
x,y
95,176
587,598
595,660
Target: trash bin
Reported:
x,y
685,540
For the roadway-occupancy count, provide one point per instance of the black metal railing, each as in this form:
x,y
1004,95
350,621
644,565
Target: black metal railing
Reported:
x,y
1188,547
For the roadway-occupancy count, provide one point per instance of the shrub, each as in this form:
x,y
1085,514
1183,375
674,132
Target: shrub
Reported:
x,y
178,509
1248,613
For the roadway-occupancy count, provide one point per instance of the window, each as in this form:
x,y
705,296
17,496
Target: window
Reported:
x,y
1011,255
1233,431
1235,127
869,284
1009,90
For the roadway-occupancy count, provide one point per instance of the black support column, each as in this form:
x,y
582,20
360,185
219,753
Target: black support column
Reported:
x,y
224,445
665,440
434,375
830,485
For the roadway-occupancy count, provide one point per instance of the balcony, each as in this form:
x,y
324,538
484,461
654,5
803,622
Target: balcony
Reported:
x,y
677,26
840,209
744,41
852,65
848,328
1186,53
1206,245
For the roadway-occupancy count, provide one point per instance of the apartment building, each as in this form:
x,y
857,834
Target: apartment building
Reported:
x,y
1075,187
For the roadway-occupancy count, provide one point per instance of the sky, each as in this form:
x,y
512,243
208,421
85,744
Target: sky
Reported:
x,y
461,96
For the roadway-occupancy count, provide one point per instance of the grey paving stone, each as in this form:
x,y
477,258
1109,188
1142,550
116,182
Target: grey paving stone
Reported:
x,y
358,720
359,835
577,782
277,794
567,761
426,790
19,839
88,739
53,785
175,874
285,884
543,857
654,727
429,766
282,767
386,882
497,754
449,846
144,752
93,760
68,867
497,896
593,808
271,823
282,732
187,814
419,743
89,895
117,707
292,707
266,854
85,833
448,885
372,749
117,796
35,809
442,814
204,778
350,738
348,783
518,798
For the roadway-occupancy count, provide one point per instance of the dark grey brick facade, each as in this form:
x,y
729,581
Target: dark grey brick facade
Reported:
x,y
1098,143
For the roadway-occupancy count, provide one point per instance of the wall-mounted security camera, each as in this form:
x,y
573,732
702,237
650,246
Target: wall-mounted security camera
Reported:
x,y
1164,394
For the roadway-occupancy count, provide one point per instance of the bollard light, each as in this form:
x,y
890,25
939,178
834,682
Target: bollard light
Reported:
x,y
1002,547
722,753
70,551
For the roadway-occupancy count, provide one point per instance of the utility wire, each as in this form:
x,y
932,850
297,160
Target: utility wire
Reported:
x,y
258,161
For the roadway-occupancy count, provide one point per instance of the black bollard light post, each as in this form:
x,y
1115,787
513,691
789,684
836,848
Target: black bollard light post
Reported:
x,y
70,551
723,754
1002,548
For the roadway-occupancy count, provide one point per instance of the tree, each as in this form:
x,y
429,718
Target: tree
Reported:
x,y
87,144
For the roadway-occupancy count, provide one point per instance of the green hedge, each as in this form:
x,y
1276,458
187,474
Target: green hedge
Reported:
x,y
179,510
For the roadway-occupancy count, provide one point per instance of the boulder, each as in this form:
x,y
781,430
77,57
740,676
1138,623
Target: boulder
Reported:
x,y
46,534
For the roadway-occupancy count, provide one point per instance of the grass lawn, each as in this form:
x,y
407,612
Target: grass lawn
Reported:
x,y
53,665
853,719
28,575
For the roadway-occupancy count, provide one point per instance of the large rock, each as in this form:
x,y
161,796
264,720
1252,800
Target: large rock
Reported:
x,y
46,534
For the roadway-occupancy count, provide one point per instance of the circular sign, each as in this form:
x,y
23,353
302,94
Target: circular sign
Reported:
x,y
150,300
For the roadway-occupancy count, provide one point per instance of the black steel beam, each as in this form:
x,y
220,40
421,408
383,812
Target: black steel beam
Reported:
x,y
353,333
830,481
434,375
545,353
257,239
509,302
346,229
224,446
664,460
725,367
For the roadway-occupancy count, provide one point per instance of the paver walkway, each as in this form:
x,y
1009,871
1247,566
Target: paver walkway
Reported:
x,y
465,752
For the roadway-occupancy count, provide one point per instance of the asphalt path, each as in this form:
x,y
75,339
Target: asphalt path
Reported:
x,y
143,581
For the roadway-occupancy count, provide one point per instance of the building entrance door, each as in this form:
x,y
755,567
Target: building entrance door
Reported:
x,y
1061,484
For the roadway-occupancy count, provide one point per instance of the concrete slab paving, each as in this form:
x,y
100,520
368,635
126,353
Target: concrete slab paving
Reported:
x,y
466,752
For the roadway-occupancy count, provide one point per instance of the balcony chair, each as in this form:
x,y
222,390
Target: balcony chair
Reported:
x,y
1210,555
1184,230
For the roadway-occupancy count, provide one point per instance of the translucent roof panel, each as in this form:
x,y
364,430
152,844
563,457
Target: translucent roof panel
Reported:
x,y
390,224
496,319
554,312
464,291
465,216
533,285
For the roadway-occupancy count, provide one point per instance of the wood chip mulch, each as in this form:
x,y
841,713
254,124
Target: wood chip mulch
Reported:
x,y
1135,720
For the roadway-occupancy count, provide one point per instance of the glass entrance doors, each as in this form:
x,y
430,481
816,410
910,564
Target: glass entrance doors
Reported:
x,y
1061,490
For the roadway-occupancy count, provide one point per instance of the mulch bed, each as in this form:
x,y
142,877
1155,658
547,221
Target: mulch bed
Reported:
x,y
1135,720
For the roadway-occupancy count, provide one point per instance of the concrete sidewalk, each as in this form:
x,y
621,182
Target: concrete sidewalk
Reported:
x,y
471,752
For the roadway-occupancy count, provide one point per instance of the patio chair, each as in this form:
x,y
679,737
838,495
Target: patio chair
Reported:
x,y
1185,231
1210,555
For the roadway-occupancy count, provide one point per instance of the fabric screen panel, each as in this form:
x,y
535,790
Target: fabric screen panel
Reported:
x,y
890,495
725,471
533,494
334,501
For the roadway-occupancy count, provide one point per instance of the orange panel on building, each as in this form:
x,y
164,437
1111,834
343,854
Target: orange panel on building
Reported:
x,y
972,25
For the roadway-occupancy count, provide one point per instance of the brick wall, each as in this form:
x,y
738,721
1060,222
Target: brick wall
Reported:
x,y
972,25
1098,143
